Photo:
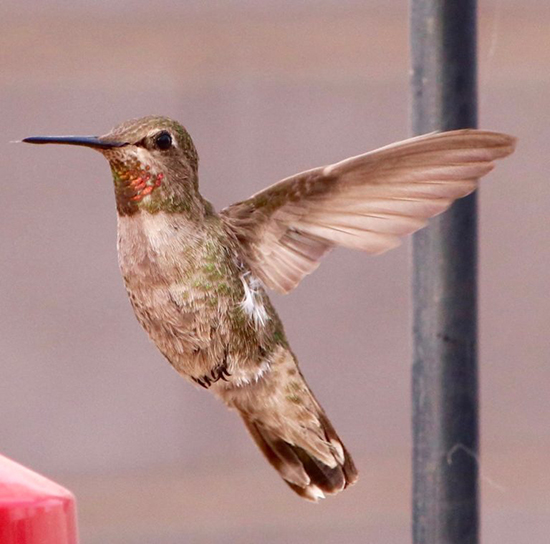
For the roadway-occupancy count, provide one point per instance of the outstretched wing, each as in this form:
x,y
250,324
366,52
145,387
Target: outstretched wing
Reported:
x,y
366,202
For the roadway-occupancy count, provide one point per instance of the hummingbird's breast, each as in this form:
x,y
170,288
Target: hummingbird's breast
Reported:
x,y
192,295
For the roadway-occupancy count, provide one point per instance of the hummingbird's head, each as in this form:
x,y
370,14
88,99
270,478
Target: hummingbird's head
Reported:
x,y
153,161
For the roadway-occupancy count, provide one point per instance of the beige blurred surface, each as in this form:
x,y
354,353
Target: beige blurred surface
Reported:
x,y
266,89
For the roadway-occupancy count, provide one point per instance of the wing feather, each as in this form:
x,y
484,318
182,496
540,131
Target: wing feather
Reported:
x,y
365,202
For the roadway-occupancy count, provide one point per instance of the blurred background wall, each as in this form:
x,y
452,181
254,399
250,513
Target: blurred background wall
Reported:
x,y
266,88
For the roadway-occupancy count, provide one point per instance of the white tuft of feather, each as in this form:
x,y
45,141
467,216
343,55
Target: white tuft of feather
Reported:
x,y
338,451
314,492
252,303
241,377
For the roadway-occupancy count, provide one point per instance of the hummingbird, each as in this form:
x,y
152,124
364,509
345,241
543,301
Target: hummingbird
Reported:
x,y
197,279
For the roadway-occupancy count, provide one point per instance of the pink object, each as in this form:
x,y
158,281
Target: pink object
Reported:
x,y
33,509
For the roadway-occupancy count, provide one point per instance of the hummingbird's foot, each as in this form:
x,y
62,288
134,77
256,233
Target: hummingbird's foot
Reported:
x,y
219,372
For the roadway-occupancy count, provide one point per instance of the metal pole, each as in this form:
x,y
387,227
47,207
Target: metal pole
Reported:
x,y
444,375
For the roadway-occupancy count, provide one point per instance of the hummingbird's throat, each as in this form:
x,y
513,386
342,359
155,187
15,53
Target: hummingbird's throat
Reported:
x,y
133,180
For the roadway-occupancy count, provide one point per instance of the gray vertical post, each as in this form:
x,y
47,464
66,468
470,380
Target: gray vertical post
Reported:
x,y
444,376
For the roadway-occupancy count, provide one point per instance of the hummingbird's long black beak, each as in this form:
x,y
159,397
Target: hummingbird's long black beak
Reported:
x,y
86,141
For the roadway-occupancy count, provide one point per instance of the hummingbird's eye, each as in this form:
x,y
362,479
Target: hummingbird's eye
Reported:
x,y
163,140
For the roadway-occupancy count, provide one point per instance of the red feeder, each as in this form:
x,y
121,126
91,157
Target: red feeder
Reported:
x,y
33,509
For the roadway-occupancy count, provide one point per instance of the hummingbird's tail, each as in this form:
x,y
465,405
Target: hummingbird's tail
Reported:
x,y
293,431
302,470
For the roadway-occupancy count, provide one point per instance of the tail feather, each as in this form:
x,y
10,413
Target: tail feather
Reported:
x,y
280,455
341,453
305,474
